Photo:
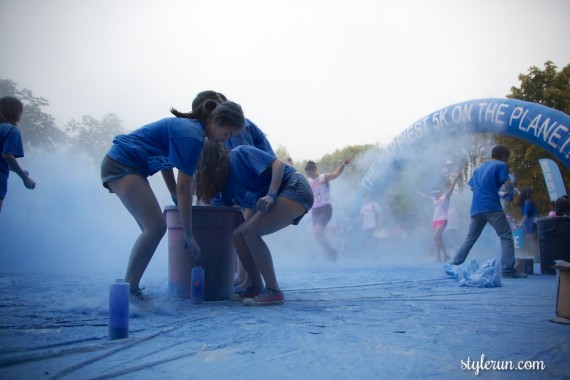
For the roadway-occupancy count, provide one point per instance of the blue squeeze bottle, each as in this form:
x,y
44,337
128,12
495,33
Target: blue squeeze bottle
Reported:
x,y
119,310
197,285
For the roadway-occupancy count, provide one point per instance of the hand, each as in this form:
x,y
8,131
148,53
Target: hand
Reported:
x,y
191,244
347,161
263,204
29,183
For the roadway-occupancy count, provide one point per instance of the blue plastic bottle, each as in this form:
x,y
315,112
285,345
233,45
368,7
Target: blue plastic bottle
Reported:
x,y
197,285
119,310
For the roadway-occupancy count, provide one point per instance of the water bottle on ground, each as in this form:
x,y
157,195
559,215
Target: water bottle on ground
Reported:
x,y
119,310
197,285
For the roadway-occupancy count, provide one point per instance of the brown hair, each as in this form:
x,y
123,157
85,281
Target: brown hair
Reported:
x,y
526,193
226,114
500,151
311,165
10,110
207,95
212,170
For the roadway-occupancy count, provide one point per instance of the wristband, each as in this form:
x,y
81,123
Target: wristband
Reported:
x,y
272,194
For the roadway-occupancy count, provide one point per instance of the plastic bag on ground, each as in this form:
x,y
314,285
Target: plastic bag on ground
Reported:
x,y
488,275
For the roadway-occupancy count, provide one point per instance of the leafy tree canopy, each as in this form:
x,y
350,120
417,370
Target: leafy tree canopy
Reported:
x,y
549,87
38,127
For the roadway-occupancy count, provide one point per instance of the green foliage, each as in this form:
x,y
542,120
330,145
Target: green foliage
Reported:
x,y
94,137
39,131
548,87
551,88
282,153
37,126
361,155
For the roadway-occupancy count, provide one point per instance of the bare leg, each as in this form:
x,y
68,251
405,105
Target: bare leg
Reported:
x,y
253,251
243,281
533,246
441,251
137,196
322,239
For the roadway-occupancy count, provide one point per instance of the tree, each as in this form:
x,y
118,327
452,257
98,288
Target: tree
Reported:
x,y
282,153
94,137
361,155
551,88
38,127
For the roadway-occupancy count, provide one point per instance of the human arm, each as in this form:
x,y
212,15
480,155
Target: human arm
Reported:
x,y
184,191
452,186
510,191
16,168
338,171
277,170
170,181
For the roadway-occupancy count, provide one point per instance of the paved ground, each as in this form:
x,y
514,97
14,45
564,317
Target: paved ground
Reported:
x,y
340,321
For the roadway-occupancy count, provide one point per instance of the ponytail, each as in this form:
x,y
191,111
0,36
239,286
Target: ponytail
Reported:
x,y
212,170
202,111
227,114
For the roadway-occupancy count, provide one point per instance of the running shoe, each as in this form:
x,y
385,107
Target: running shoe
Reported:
x,y
514,275
266,297
242,294
137,295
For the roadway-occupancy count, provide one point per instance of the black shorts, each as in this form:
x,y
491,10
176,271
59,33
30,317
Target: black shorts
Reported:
x,y
322,215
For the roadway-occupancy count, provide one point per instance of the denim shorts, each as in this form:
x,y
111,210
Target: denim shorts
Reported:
x,y
298,189
112,170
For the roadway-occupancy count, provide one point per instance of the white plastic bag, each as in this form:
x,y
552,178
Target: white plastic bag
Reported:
x,y
488,275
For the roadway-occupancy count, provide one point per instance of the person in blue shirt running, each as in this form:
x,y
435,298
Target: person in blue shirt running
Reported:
x,y
251,135
486,207
174,142
11,145
276,195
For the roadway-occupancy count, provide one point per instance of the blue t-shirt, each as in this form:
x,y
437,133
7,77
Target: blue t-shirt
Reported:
x,y
486,182
529,210
165,144
250,176
251,135
11,143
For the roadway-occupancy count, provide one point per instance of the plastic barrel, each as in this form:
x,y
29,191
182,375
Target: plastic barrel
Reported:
x,y
213,228
554,237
